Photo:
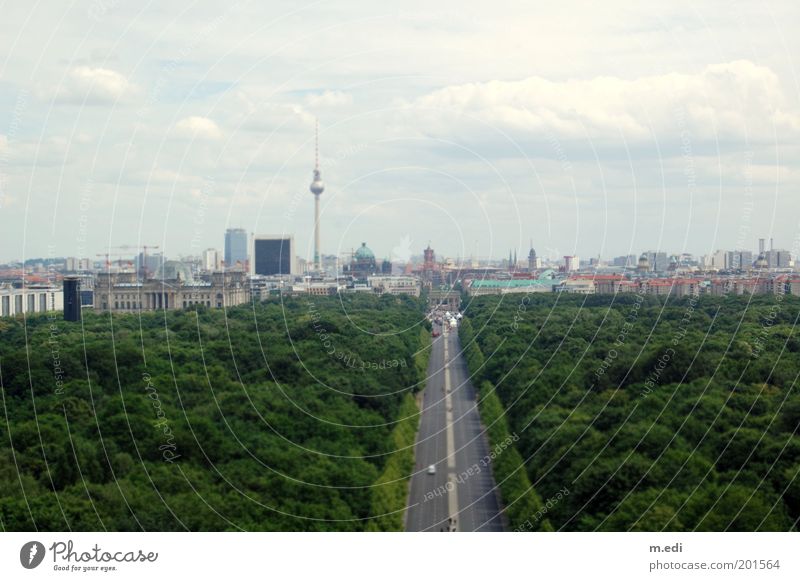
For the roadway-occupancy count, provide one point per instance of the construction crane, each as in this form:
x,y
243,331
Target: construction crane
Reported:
x,y
108,255
143,270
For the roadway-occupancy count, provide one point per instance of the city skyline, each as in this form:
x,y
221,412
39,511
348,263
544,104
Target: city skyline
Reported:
x,y
213,127
416,254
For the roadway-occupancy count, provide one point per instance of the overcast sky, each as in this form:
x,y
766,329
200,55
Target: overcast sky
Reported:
x,y
587,127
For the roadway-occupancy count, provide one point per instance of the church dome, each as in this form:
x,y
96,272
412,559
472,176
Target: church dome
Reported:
x,y
364,253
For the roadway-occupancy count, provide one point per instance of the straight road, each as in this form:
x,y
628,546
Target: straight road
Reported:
x,y
460,495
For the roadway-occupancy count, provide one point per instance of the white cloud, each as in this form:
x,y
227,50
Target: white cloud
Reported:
x,y
94,86
737,99
198,128
257,112
47,152
329,99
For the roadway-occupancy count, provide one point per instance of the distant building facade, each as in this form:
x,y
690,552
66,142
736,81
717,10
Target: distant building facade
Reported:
x,y
212,260
627,261
778,258
273,255
124,292
30,299
320,288
658,261
395,285
582,286
236,247
739,260
480,287
72,298
572,263
72,264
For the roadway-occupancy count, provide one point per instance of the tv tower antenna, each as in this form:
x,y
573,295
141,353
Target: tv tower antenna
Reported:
x,y
317,187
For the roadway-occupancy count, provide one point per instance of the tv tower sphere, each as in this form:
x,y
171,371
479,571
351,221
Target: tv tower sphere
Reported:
x,y
317,186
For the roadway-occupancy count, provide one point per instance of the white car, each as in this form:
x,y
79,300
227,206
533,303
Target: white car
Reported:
x,y
432,469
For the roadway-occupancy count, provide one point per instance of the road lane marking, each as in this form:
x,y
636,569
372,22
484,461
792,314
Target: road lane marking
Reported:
x,y
452,492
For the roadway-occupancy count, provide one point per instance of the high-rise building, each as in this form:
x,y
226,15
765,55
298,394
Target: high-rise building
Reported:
x,y
72,298
72,264
777,258
317,187
236,248
147,264
571,263
718,260
628,261
212,260
739,260
659,262
274,255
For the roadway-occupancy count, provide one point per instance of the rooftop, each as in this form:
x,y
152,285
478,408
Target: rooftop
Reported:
x,y
511,283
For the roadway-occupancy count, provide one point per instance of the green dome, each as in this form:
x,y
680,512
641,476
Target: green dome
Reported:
x,y
364,253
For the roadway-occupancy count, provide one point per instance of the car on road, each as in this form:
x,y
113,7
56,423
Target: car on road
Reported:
x,y
435,334
432,469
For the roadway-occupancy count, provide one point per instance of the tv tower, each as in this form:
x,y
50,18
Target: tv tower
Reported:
x,y
317,187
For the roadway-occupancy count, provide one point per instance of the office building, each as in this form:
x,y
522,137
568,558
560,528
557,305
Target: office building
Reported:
x,y
273,255
739,260
72,298
147,264
571,263
395,285
211,260
72,264
30,299
658,261
236,248
778,258
627,261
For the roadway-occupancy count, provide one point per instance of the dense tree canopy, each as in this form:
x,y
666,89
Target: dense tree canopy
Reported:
x,y
274,416
645,413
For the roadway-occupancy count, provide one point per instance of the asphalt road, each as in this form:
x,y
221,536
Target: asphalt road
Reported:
x,y
461,494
